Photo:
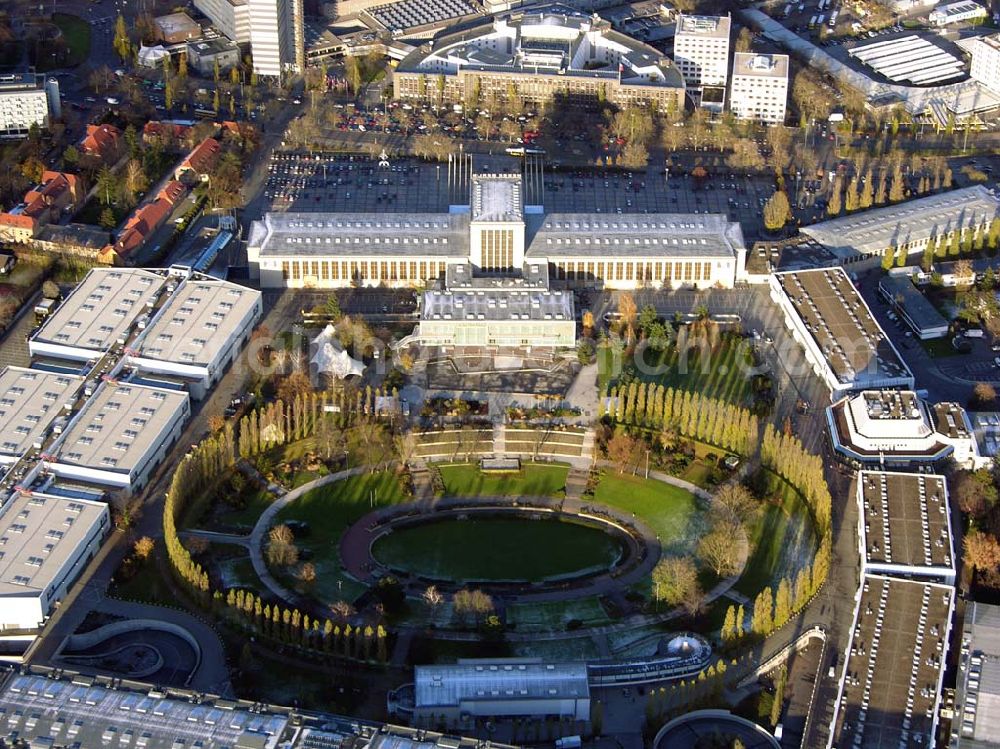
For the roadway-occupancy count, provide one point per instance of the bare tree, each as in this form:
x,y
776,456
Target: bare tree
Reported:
x,y
432,596
717,548
738,500
675,583
342,610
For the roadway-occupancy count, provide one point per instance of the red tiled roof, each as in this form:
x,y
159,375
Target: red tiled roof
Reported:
x,y
101,140
173,192
158,129
17,219
203,157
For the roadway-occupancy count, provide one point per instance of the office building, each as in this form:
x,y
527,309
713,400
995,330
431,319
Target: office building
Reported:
x,y
985,66
913,307
759,90
701,49
896,427
495,233
908,226
45,542
277,36
537,54
230,17
503,687
198,332
904,525
98,314
892,671
843,342
120,435
26,99
205,55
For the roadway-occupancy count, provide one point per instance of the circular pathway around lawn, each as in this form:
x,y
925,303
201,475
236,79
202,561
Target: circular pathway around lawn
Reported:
x,y
411,542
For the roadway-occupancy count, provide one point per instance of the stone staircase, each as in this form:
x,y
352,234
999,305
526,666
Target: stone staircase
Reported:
x,y
499,439
587,451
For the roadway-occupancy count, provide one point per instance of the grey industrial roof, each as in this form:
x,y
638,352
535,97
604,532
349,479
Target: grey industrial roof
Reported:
x,y
662,235
498,304
870,232
704,26
759,65
197,321
977,697
358,234
95,716
841,324
502,679
29,400
892,671
497,197
38,534
906,519
105,303
119,425
80,235
916,306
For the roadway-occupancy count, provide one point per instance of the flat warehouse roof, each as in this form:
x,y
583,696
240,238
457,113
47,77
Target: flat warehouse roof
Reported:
x,y
890,690
197,321
841,324
119,425
29,400
105,303
39,533
503,679
906,520
870,232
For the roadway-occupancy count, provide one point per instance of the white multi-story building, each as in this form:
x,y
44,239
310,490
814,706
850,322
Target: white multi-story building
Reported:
x,y
231,17
896,427
25,100
198,332
45,542
277,36
119,437
759,89
701,49
985,66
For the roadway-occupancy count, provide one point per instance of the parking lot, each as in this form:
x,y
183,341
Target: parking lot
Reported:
x,y
338,183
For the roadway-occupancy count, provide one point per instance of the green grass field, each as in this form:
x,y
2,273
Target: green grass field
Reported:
x,y
497,548
723,374
554,615
672,513
76,32
534,479
783,540
329,511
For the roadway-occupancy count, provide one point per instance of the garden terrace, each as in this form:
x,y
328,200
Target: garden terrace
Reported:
x,y
559,441
453,443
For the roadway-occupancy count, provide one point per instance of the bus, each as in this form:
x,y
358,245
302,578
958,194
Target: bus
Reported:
x,y
812,22
525,151
205,114
821,19
788,11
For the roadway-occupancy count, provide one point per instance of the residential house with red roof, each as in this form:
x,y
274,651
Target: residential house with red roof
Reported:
x,y
199,162
164,132
144,222
57,193
103,142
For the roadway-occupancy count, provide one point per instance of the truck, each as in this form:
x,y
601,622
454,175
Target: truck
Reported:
x,y
44,308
